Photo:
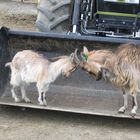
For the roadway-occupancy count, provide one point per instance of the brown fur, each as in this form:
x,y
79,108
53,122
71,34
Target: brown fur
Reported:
x,y
99,56
28,57
121,68
95,60
125,64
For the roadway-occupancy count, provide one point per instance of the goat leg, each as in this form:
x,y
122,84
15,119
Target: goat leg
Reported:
x,y
41,98
23,92
13,91
135,105
125,102
44,98
42,89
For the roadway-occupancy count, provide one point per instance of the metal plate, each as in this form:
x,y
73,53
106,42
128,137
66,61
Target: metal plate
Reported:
x,y
80,93
78,96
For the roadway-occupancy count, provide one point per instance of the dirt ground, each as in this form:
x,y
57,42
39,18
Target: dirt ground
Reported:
x,y
33,124
17,15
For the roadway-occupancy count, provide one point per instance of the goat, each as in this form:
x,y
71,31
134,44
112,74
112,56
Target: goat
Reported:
x,y
123,70
28,67
92,61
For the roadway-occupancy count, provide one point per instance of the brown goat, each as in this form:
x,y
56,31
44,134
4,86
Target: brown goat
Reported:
x,y
123,70
120,68
92,61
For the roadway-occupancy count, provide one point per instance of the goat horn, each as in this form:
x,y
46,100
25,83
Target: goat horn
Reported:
x,y
72,56
76,57
75,52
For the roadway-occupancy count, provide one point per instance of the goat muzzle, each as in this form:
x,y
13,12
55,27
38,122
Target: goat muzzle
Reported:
x,y
96,77
99,76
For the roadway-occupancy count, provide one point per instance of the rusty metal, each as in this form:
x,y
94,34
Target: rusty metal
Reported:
x,y
80,93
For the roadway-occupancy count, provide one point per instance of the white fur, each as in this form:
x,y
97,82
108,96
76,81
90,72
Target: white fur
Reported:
x,y
98,66
55,69
24,71
124,107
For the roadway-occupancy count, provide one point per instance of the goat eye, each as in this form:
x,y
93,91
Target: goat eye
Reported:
x,y
105,72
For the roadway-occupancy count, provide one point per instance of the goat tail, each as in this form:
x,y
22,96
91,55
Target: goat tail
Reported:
x,y
8,64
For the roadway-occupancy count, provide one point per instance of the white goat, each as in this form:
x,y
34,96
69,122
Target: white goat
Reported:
x,y
30,67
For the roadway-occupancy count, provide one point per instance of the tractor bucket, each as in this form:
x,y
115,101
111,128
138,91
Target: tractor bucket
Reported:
x,y
79,93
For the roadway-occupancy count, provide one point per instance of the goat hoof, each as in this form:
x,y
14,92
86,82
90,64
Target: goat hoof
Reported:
x,y
42,104
132,114
27,100
17,100
45,103
121,112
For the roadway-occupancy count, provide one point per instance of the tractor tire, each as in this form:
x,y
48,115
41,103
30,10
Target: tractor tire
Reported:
x,y
53,15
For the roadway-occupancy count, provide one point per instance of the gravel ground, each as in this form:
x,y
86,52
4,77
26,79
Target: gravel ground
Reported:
x,y
32,124
17,15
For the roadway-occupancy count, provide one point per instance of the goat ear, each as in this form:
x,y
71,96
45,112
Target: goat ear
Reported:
x,y
85,50
84,57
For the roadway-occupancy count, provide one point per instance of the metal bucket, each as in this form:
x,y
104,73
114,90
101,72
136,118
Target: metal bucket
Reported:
x,y
79,93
